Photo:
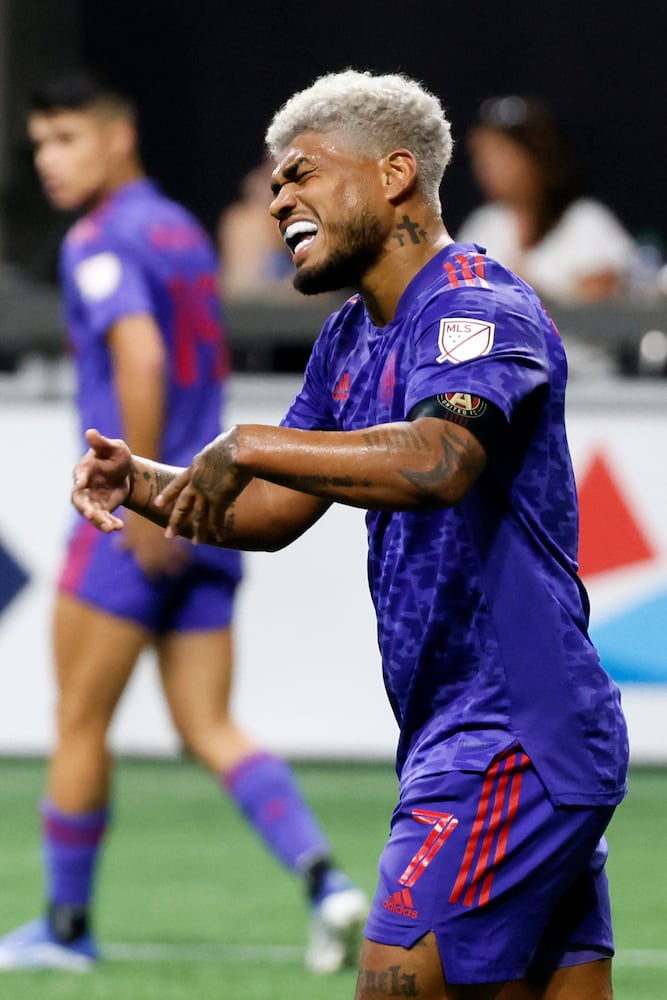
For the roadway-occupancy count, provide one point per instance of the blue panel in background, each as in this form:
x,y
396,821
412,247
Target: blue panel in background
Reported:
x,y
633,646
13,577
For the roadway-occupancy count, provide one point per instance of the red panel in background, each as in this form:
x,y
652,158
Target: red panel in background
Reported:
x,y
610,536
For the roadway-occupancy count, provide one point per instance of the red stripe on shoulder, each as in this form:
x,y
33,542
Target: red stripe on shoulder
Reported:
x,y
450,270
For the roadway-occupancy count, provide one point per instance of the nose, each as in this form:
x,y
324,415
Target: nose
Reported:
x,y
283,203
44,157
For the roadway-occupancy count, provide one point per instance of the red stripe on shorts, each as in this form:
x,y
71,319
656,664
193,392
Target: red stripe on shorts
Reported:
x,y
501,846
498,804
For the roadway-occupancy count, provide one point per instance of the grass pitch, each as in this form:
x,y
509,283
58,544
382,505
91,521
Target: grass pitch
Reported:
x,y
190,904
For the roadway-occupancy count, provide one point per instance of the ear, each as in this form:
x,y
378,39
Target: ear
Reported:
x,y
399,174
122,138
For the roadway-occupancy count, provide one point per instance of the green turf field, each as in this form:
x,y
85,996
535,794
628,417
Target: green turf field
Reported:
x,y
190,904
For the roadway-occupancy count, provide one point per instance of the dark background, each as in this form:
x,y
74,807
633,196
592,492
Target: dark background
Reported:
x,y
208,75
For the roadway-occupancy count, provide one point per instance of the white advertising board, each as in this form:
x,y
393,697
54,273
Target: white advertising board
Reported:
x,y
308,680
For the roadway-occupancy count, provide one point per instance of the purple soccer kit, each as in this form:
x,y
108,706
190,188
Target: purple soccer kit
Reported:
x,y
142,253
482,619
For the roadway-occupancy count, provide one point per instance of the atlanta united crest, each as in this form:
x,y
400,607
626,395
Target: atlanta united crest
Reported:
x,y
461,339
462,404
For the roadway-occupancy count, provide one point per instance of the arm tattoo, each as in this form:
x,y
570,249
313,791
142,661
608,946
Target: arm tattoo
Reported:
x,y
456,457
313,483
155,479
396,439
162,480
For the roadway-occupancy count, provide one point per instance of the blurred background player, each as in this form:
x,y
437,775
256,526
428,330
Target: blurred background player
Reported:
x,y
536,219
138,277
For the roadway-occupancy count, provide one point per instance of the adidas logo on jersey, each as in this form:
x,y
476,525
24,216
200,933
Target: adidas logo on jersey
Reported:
x,y
342,389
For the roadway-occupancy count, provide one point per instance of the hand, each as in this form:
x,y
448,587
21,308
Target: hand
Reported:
x,y
102,481
156,555
200,495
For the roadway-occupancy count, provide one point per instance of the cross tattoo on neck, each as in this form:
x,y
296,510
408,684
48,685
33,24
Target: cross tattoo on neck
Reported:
x,y
412,228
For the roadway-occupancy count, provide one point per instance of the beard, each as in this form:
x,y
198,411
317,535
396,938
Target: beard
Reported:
x,y
358,245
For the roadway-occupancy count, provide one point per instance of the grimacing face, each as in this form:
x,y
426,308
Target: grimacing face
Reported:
x,y
329,205
71,154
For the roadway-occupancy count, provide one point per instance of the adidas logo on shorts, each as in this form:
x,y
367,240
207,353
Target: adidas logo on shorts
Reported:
x,y
401,904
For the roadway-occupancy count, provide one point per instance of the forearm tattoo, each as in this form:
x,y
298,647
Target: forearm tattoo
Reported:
x,y
155,479
311,484
456,456
396,439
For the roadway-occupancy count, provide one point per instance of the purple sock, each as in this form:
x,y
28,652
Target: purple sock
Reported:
x,y
70,844
267,794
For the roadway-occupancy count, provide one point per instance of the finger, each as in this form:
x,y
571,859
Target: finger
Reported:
x,y
92,511
103,447
215,518
181,509
171,492
81,474
198,518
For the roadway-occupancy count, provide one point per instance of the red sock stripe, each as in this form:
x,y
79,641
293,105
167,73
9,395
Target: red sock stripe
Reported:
x,y
502,786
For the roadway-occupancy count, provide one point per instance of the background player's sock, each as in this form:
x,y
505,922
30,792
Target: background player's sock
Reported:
x,y
322,879
268,795
70,843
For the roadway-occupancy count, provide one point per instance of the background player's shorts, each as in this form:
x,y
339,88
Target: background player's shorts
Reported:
x,y
98,571
506,881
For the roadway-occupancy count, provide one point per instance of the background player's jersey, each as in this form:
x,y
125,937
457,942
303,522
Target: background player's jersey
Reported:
x,y
482,618
142,253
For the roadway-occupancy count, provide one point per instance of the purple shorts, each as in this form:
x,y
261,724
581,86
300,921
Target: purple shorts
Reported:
x,y
508,883
101,573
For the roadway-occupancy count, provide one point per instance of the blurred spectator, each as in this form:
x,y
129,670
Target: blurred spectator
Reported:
x,y
255,263
536,219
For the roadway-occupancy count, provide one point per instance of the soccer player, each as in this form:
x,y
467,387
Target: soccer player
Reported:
x,y
139,283
434,398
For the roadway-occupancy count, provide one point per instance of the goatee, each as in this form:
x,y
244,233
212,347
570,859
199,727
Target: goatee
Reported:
x,y
360,245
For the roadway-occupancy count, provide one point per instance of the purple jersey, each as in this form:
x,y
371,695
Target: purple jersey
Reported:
x,y
482,619
142,253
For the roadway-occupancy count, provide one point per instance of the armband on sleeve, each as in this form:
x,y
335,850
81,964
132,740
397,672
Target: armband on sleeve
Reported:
x,y
483,419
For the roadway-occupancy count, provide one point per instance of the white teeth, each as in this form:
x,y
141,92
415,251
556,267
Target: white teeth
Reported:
x,y
296,228
297,231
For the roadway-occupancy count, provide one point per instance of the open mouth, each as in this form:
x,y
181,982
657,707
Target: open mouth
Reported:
x,y
299,235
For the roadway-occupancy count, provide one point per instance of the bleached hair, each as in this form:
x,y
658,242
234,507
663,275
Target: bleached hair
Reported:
x,y
374,115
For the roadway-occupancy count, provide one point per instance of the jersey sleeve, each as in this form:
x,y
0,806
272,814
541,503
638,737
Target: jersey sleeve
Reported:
x,y
106,282
469,341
